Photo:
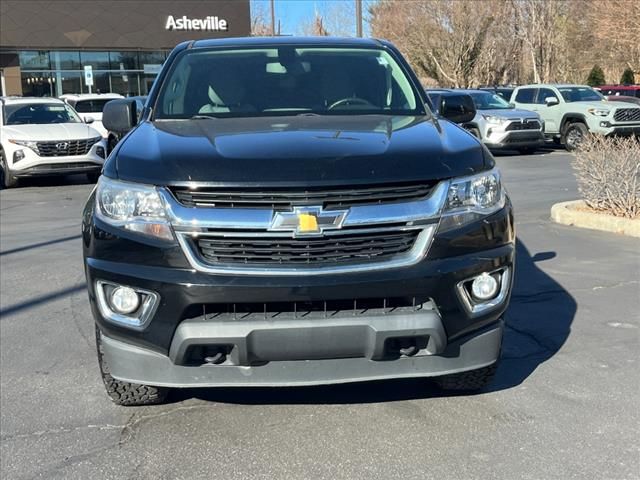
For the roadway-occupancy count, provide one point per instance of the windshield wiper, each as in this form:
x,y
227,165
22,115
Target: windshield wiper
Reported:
x,y
202,117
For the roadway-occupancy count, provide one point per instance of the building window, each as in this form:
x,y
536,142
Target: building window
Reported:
x,y
65,60
124,60
38,84
98,60
34,60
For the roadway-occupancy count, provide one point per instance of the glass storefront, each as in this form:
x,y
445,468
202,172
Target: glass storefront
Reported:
x,y
53,73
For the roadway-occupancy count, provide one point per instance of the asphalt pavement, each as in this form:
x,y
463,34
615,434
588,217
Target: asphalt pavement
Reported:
x,y
565,404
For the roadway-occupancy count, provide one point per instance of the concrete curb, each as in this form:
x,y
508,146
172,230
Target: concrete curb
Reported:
x,y
567,213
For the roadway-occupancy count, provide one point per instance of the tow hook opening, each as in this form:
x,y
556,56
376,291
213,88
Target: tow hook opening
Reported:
x,y
208,354
406,346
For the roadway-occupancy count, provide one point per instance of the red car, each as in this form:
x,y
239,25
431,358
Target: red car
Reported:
x,y
626,90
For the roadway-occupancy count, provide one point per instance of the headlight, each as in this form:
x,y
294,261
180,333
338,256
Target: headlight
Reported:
x,y
132,206
495,120
26,143
471,198
600,112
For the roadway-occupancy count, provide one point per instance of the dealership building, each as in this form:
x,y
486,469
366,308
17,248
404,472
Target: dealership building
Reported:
x,y
76,46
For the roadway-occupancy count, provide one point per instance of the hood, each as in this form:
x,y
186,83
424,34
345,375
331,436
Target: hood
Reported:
x,y
307,150
50,131
511,113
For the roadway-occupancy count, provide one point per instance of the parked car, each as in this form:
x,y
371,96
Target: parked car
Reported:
x,y
504,91
571,111
91,105
497,123
290,212
137,106
44,136
626,90
623,98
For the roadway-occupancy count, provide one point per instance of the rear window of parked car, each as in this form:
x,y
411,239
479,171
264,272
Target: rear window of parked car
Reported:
x,y
526,95
91,106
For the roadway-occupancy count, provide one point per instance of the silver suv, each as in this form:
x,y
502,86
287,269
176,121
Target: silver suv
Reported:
x,y
498,124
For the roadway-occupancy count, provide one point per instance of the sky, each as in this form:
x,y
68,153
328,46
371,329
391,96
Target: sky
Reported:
x,y
294,13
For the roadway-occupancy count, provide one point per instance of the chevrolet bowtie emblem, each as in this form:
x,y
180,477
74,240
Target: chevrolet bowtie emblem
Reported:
x,y
307,223
308,220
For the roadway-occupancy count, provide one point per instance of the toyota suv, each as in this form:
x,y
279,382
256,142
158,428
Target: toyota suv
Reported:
x,y
570,112
497,123
290,212
44,136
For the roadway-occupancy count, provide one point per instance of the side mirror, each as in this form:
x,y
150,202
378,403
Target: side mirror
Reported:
x,y
551,101
119,115
89,120
457,108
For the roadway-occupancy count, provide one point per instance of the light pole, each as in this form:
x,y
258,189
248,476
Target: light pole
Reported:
x,y
358,18
273,18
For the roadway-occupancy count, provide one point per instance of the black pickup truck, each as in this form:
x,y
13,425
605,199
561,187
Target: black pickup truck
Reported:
x,y
288,211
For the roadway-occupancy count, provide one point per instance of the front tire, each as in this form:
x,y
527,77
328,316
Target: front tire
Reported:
x,y
574,135
8,180
470,381
125,393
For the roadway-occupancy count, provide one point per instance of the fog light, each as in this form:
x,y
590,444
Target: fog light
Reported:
x,y
124,300
100,152
18,155
484,287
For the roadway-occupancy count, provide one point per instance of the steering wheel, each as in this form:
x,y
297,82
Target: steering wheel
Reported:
x,y
351,101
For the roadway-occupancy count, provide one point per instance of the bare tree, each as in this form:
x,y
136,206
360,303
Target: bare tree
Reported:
x,y
260,23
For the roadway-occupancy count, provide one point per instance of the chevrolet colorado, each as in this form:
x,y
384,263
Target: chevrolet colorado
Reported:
x,y
288,211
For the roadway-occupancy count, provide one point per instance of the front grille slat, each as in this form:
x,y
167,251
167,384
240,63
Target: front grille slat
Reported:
x,y
526,125
288,198
66,148
627,115
321,250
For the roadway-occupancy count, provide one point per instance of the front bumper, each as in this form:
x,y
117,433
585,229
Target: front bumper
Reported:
x,y
138,365
514,139
623,130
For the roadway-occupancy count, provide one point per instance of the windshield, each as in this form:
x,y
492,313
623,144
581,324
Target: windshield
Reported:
x,y
39,113
489,101
580,94
286,81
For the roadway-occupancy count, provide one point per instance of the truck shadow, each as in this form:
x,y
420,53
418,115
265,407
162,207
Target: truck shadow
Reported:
x,y
538,323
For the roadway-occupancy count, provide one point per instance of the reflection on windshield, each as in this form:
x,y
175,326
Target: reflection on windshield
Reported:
x,y
489,101
39,113
285,81
580,94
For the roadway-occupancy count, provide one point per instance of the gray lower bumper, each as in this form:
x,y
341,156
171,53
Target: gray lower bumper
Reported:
x,y
304,352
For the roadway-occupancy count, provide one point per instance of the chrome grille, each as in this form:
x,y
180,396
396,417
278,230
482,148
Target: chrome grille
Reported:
x,y
287,198
269,249
66,148
627,115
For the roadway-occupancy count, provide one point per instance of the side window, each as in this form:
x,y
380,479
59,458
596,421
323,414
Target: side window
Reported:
x,y
545,93
526,95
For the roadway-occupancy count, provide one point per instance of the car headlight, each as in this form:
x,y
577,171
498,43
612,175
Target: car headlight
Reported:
x,y
494,119
26,143
600,112
132,206
472,198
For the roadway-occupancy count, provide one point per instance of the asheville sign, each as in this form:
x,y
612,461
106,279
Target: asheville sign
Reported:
x,y
185,23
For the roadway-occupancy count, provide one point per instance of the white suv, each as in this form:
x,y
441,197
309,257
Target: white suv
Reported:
x,y
44,136
89,106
